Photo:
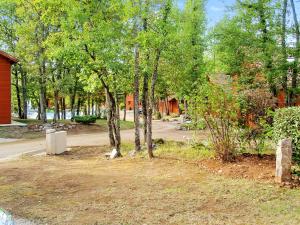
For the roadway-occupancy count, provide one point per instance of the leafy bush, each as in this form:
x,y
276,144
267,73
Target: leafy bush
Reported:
x,y
157,115
218,108
197,125
256,117
287,125
85,119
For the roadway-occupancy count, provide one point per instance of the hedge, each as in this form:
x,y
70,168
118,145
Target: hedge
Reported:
x,y
85,119
287,125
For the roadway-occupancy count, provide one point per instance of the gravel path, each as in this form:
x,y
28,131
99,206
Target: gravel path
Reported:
x,y
166,130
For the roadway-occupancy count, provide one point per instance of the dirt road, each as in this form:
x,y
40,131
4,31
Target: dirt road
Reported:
x,y
166,130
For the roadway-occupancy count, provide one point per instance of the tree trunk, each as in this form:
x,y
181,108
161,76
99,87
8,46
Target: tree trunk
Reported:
x,y
56,106
116,124
145,97
136,99
145,94
124,110
113,117
185,108
39,110
284,51
93,111
110,120
24,93
43,97
78,106
20,114
64,108
297,53
73,98
151,104
88,104
167,106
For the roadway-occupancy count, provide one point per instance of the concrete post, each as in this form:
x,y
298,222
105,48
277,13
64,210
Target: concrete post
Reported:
x,y
283,161
61,142
50,142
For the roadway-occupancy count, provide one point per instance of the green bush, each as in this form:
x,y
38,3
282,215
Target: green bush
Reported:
x,y
287,125
199,125
218,107
157,115
85,119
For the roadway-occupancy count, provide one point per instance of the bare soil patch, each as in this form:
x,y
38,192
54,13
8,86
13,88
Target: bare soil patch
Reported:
x,y
246,166
82,187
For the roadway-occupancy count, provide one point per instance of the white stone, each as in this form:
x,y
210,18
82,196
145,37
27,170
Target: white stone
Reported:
x,y
50,142
283,161
61,142
132,153
181,119
114,154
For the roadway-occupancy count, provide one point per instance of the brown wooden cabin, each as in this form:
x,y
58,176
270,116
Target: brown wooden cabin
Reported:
x,y
165,107
6,61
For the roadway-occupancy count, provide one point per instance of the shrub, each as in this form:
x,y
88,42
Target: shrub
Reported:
x,y
256,117
197,125
157,115
218,108
255,105
85,119
287,125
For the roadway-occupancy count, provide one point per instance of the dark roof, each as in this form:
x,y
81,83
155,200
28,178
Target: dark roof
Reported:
x,y
9,57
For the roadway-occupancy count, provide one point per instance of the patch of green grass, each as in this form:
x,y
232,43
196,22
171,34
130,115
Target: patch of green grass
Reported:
x,y
184,151
125,125
126,147
174,149
4,133
34,121
17,133
28,121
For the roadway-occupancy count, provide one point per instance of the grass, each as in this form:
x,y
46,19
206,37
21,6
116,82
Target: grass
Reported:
x,y
184,151
174,150
84,188
37,122
19,133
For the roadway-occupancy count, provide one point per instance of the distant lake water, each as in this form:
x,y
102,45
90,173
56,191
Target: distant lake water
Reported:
x,y
32,114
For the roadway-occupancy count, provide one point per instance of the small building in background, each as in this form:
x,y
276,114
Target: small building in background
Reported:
x,y
166,106
169,106
6,61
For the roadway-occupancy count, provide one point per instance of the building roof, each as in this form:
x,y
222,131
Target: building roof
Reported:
x,y
8,57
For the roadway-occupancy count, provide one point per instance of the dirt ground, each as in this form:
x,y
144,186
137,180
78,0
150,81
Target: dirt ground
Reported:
x,y
82,187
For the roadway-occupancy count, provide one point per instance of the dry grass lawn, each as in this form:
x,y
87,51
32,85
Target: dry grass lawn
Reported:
x,y
84,188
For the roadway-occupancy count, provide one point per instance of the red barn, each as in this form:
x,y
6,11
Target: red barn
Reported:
x,y
5,87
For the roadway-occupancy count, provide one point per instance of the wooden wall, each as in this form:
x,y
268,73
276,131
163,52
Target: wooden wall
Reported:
x,y
5,91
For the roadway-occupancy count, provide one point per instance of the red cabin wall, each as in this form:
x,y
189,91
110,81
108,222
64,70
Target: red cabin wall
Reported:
x,y
129,102
5,91
173,106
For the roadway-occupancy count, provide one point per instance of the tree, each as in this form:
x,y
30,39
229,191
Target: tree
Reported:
x,y
296,53
159,48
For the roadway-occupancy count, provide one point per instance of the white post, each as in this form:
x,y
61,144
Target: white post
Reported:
x,y
50,142
283,161
61,142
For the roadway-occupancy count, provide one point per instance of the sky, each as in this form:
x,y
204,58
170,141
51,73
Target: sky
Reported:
x,y
216,9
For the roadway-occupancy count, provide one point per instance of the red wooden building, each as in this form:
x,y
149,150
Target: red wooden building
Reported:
x,y
167,106
6,62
